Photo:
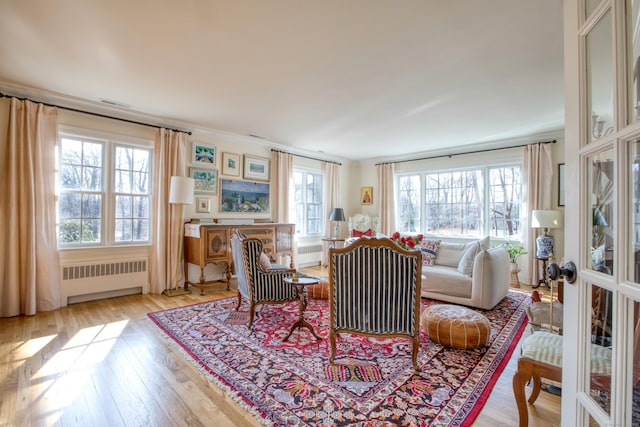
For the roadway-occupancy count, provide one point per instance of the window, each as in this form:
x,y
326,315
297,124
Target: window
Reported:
x,y
308,198
473,202
104,192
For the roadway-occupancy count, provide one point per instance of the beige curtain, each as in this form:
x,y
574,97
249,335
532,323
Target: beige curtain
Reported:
x,y
538,174
332,177
386,198
283,179
29,271
169,158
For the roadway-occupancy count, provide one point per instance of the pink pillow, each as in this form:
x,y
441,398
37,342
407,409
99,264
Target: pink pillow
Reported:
x,y
358,233
265,262
429,249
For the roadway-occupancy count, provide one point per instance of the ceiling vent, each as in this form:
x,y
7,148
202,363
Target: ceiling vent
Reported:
x,y
115,103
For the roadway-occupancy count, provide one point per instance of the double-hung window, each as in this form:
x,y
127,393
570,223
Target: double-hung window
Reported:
x,y
476,202
309,202
104,192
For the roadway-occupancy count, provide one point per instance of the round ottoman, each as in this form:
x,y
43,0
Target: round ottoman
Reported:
x,y
456,326
320,290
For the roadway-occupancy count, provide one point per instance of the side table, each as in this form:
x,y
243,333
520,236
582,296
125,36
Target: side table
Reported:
x,y
328,243
301,284
543,278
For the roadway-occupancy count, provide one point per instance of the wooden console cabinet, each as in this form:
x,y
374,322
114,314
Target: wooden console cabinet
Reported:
x,y
211,244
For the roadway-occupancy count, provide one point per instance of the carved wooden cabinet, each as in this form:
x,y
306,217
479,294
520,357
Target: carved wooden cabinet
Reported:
x,y
211,244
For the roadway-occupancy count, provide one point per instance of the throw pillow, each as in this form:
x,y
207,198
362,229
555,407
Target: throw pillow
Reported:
x,y
265,262
358,233
429,249
466,262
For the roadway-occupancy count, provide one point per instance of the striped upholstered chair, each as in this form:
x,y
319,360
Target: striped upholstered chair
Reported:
x,y
374,290
254,284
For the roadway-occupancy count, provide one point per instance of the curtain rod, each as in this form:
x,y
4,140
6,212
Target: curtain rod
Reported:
x,y
553,141
307,157
2,95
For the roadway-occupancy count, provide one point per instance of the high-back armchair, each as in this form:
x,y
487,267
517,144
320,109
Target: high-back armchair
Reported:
x,y
254,284
374,289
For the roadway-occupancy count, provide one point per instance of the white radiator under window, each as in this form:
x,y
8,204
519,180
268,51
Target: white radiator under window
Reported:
x,y
309,255
88,281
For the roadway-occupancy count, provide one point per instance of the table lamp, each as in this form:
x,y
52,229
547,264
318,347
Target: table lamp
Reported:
x,y
545,219
337,216
180,193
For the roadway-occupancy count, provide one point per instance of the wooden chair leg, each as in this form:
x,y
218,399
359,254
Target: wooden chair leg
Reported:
x,y
520,379
252,312
537,385
414,353
239,301
332,340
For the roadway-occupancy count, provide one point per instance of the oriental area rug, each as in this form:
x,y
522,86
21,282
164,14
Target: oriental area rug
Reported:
x,y
372,382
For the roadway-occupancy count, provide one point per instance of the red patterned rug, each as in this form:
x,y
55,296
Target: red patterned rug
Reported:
x,y
372,383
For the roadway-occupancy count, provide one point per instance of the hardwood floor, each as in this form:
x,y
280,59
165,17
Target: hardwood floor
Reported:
x,y
103,363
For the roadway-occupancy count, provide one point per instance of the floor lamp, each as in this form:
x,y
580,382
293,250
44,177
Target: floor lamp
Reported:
x,y
180,193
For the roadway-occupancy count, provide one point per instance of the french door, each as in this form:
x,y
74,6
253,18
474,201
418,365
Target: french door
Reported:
x,y
601,369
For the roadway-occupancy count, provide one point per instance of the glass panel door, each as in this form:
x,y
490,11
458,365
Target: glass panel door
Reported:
x,y
600,79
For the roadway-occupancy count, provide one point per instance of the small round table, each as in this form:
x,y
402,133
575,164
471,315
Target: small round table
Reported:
x,y
301,283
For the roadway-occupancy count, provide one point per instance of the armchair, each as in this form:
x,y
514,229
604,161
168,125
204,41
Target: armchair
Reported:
x,y
254,284
374,289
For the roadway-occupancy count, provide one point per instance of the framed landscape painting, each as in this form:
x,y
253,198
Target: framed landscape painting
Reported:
x,y
256,168
203,155
206,180
244,196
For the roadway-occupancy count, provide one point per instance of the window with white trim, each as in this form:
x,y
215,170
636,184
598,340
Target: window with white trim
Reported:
x,y
309,202
104,192
474,202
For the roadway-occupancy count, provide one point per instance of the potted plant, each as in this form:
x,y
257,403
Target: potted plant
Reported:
x,y
514,250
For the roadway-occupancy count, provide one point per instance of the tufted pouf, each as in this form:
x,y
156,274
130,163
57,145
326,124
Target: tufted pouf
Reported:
x,y
456,326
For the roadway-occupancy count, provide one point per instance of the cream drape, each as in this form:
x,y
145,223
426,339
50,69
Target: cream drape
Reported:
x,y
169,158
538,174
386,198
332,178
332,184
30,270
283,179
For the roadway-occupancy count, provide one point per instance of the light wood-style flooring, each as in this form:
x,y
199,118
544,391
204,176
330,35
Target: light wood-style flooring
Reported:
x,y
103,363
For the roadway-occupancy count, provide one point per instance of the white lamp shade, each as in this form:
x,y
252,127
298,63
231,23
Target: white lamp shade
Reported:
x,y
181,190
546,219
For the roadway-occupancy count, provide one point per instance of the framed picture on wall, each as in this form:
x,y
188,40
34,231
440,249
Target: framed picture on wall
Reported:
x,y
366,195
203,155
256,168
206,180
203,205
244,196
231,164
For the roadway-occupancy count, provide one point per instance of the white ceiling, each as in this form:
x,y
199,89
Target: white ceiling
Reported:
x,y
356,79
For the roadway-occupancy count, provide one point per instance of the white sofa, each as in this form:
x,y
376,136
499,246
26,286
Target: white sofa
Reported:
x,y
470,274
480,279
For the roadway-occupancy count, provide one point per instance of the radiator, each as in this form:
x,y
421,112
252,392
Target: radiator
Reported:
x,y
309,255
88,281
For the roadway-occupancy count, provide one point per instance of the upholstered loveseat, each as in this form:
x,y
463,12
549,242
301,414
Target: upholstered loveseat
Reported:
x,y
469,273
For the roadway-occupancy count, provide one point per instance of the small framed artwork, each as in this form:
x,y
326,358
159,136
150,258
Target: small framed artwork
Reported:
x,y
256,168
560,184
206,180
203,205
244,196
230,164
366,195
203,155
